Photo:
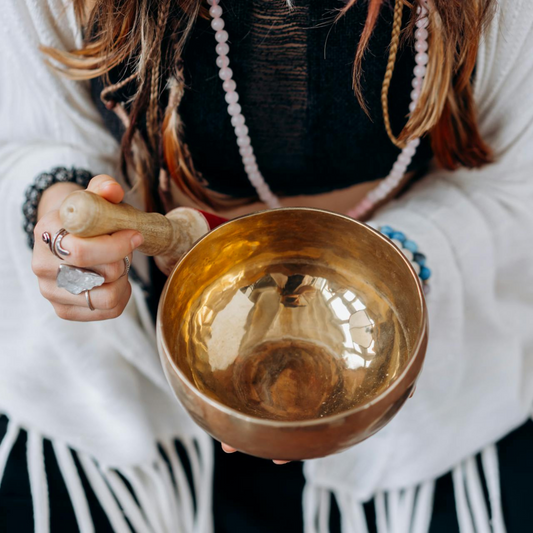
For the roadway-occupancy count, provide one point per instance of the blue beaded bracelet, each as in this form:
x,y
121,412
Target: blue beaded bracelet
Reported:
x,y
410,250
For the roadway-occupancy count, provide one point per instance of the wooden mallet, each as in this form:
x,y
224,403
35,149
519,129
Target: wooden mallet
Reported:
x,y
86,214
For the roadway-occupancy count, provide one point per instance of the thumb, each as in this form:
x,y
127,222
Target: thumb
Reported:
x,y
106,187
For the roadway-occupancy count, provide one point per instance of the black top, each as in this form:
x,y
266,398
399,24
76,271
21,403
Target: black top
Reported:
x,y
293,70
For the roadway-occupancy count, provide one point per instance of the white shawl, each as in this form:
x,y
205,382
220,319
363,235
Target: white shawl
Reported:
x,y
98,387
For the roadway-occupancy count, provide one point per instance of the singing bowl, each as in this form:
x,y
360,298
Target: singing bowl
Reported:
x,y
292,333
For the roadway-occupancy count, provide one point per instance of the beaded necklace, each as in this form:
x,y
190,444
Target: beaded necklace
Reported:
x,y
244,142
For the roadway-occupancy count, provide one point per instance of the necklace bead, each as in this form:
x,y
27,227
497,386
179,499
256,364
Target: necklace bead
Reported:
x,y
409,150
222,49
421,46
222,61
244,140
246,151
422,22
215,11
241,130
417,82
237,120
421,58
421,34
234,109
221,36
217,23
232,97
420,71
229,85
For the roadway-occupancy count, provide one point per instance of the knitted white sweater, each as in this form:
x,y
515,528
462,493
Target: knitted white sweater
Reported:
x,y
98,387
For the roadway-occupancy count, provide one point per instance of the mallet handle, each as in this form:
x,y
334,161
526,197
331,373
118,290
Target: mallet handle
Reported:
x,y
86,214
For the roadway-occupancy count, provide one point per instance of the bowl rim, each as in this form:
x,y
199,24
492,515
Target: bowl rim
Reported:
x,y
423,330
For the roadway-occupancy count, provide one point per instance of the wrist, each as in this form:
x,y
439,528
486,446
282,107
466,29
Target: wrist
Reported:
x,y
32,207
410,249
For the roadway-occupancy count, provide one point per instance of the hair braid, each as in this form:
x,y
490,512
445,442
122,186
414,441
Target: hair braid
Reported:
x,y
393,52
153,107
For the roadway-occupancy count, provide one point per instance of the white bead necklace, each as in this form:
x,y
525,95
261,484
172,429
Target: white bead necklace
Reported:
x,y
246,150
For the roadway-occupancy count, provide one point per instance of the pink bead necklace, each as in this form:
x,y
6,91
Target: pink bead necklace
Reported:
x,y
376,195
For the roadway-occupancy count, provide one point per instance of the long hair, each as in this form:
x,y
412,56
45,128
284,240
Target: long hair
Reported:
x,y
149,36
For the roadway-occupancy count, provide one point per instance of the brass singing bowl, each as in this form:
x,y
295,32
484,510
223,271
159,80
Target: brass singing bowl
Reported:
x,y
292,333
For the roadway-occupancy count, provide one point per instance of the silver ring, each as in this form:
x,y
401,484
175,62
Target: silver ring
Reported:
x,y
127,266
88,298
54,243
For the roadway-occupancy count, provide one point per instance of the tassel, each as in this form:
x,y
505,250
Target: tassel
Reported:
x,y
7,444
72,480
38,483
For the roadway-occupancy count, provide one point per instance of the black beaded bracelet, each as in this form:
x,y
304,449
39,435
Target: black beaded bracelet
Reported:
x,y
43,182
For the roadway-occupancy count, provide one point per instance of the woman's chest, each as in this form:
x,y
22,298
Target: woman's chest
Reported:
x,y
294,70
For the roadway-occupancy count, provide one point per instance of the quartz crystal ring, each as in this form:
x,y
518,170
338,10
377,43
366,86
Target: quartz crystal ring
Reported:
x,y
88,298
127,266
54,243
77,280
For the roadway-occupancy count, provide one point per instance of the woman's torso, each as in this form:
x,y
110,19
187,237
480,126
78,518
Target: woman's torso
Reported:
x,y
293,67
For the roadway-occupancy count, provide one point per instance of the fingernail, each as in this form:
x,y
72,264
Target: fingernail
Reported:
x,y
137,240
102,187
280,462
104,184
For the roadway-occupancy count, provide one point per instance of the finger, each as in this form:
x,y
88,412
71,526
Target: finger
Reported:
x,y
84,314
104,298
106,249
112,271
106,187
44,263
229,449
45,267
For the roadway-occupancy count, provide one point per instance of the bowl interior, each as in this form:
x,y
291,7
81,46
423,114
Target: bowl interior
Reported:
x,y
292,314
